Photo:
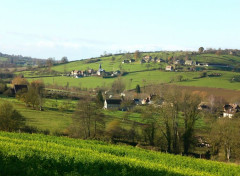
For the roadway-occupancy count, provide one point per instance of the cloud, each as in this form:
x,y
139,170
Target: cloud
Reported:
x,y
40,46
146,47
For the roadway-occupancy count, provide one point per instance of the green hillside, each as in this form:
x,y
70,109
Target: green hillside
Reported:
x,y
51,119
215,59
107,64
34,154
149,77
110,65
145,73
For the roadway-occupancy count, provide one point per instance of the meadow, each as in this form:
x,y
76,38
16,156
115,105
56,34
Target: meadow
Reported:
x,y
145,78
107,64
111,65
215,59
35,154
50,119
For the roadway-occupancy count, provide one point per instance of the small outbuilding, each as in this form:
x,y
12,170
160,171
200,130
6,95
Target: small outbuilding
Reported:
x,y
20,88
112,103
169,68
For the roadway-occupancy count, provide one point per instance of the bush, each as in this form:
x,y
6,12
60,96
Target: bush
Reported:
x,y
9,93
236,78
3,88
10,119
203,74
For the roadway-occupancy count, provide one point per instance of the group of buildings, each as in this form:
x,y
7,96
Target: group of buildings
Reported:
x,y
116,104
92,72
147,59
186,63
228,110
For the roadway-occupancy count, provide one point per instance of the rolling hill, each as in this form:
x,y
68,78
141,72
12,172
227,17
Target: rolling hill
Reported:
x,y
147,73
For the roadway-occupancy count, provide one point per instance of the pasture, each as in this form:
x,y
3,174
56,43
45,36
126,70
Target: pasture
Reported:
x,y
145,78
51,118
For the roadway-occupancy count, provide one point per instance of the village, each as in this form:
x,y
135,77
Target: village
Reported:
x,y
111,102
91,72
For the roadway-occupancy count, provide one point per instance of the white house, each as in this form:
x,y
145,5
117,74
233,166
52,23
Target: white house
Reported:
x,y
230,109
112,103
169,68
190,62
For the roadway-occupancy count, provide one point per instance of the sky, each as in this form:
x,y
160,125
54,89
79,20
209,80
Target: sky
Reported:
x,y
82,29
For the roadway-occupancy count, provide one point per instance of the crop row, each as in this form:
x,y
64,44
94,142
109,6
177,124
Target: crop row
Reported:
x,y
25,154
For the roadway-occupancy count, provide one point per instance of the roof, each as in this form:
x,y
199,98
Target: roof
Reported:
x,y
189,62
113,101
19,87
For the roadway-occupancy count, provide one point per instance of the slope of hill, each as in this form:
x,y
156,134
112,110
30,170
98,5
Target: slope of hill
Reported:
x,y
147,73
111,63
34,154
19,60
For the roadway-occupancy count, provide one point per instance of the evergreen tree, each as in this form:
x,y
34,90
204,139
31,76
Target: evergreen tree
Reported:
x,y
138,89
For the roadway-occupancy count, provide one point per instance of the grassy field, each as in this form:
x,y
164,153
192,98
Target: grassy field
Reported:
x,y
50,119
149,77
34,154
214,59
110,65
107,64
142,74
55,119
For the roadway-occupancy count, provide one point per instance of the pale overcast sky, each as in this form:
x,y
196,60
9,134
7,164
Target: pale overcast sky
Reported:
x,y
86,28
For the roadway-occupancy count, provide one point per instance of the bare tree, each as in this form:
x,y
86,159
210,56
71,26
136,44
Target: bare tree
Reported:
x,y
64,59
224,136
89,119
137,54
118,86
201,49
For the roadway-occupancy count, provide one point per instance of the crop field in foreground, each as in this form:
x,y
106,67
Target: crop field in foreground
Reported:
x,y
34,154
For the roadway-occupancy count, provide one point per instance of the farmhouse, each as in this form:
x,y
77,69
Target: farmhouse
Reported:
x,y
203,106
147,58
75,72
190,62
90,71
125,61
178,62
169,68
132,60
20,88
233,53
230,109
116,73
160,60
112,103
